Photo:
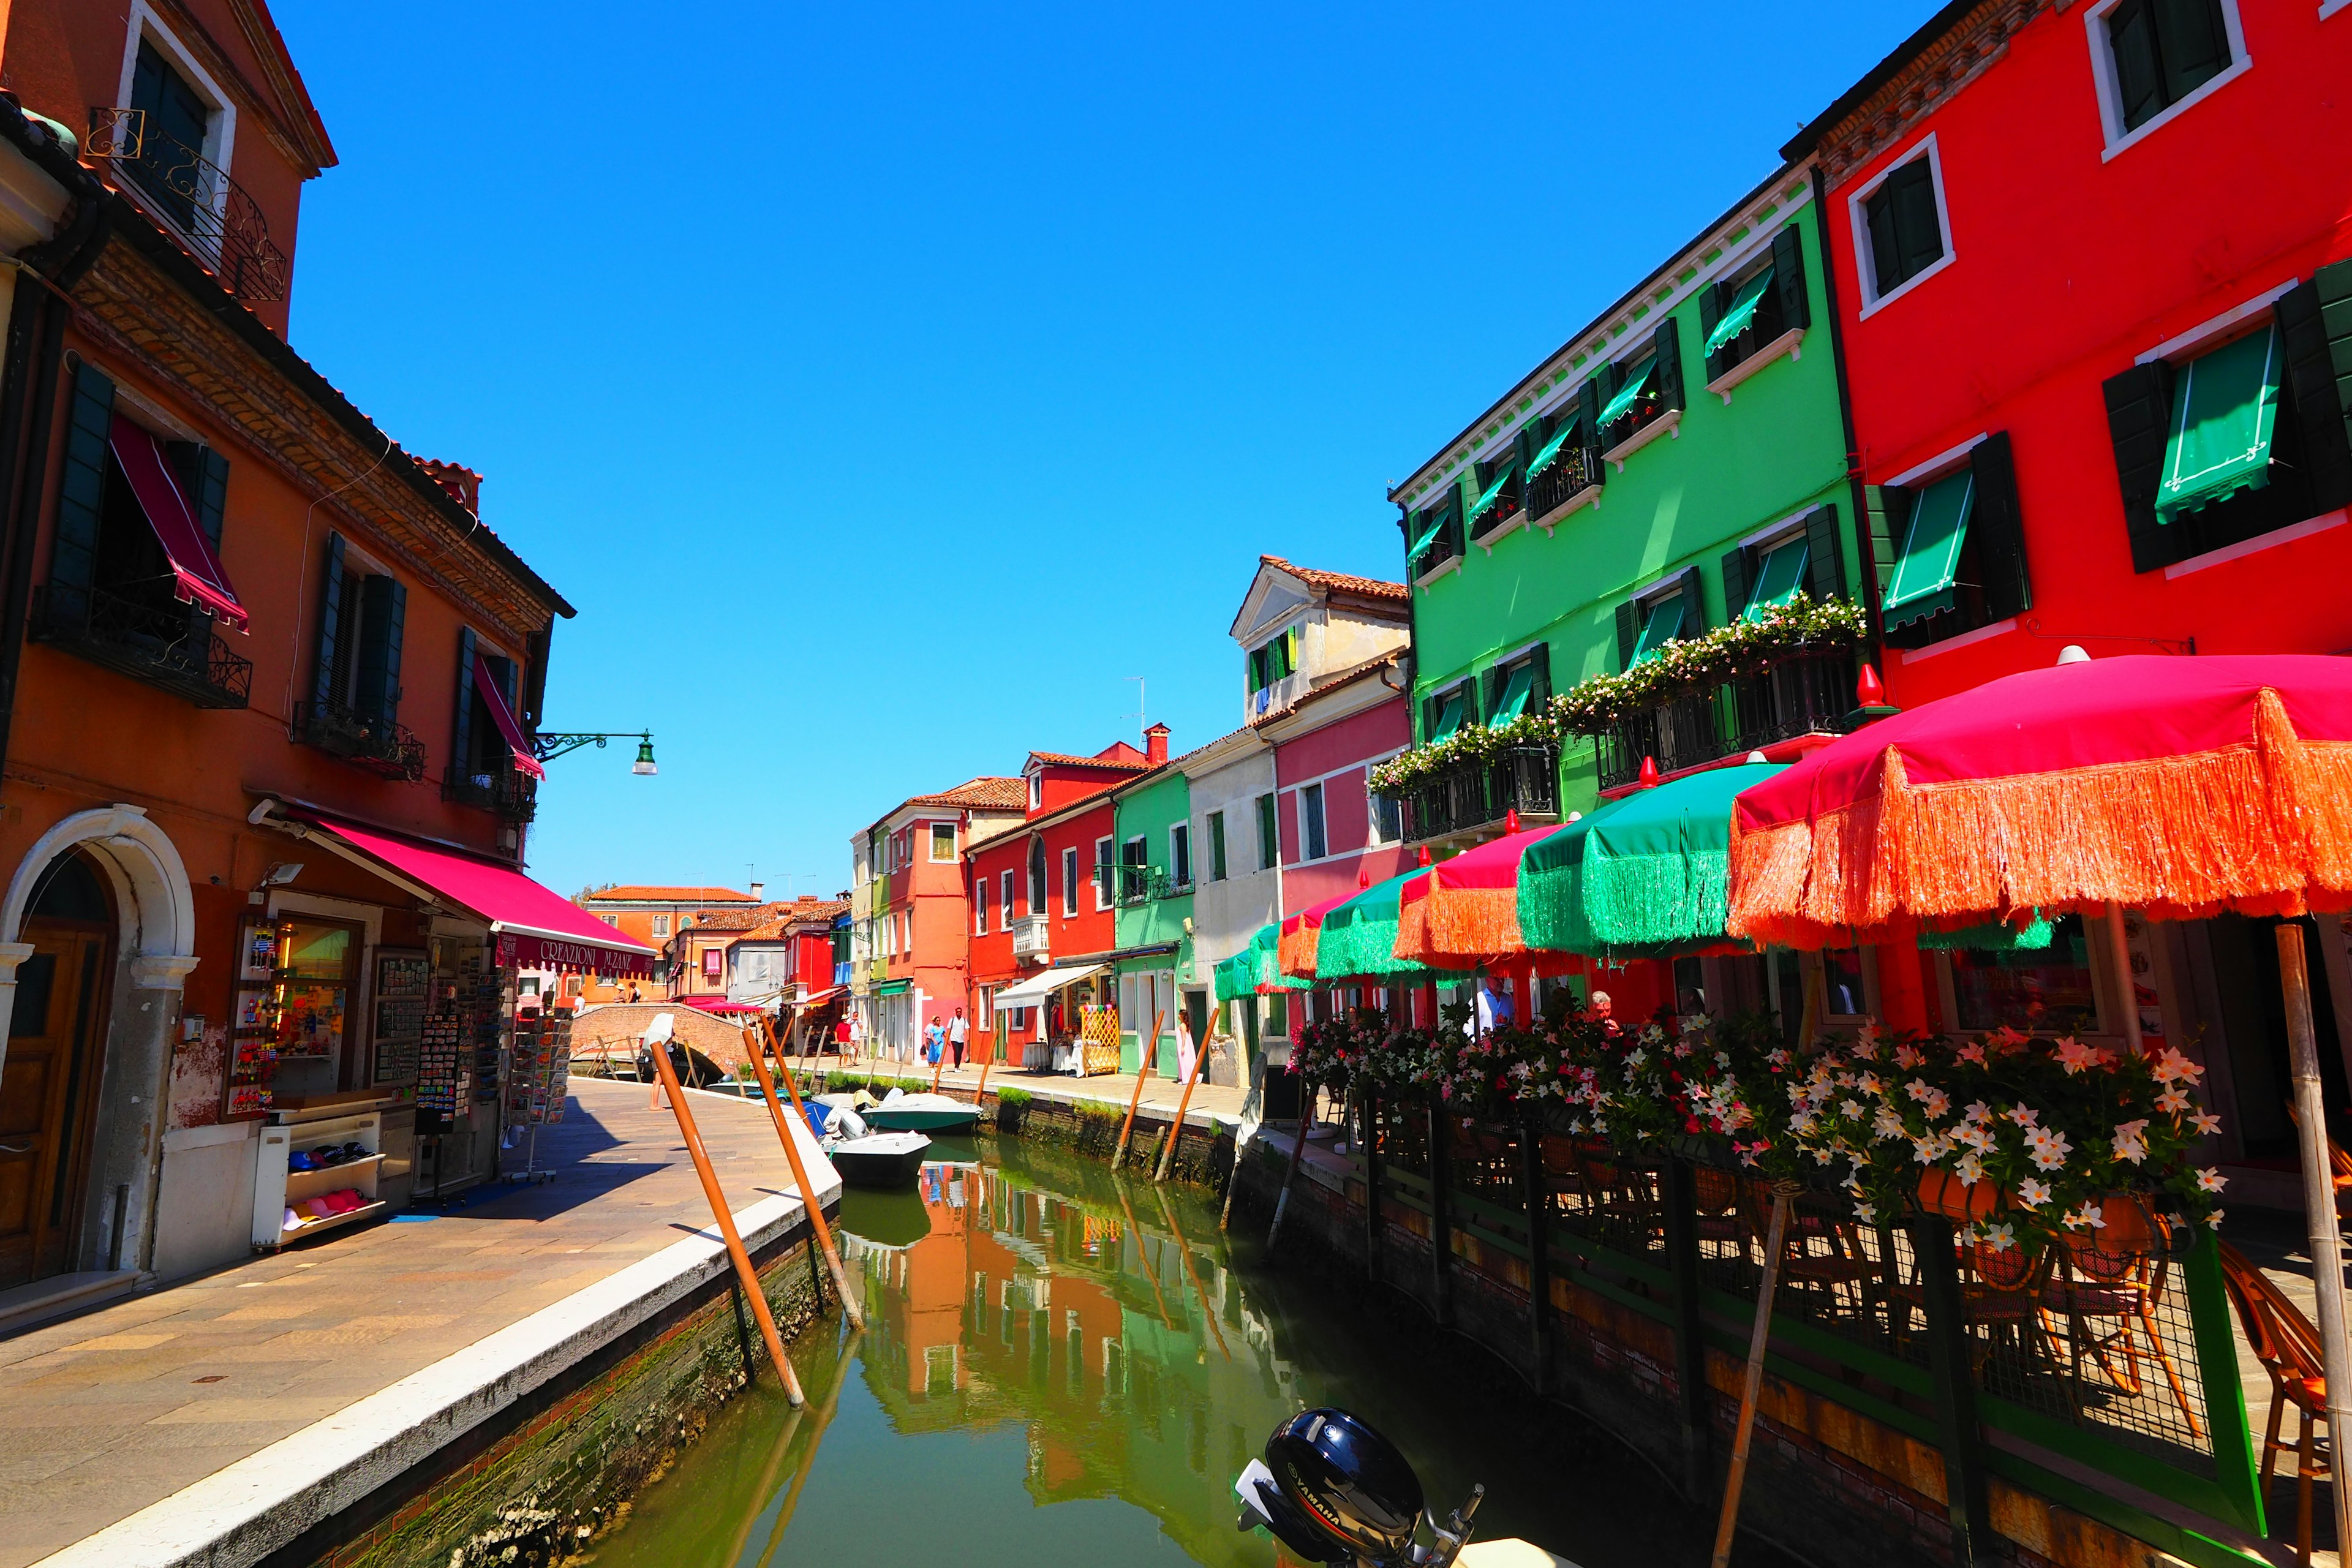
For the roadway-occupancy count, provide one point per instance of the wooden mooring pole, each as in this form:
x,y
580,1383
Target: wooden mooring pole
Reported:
x,y
818,1223
1144,1051
1168,1150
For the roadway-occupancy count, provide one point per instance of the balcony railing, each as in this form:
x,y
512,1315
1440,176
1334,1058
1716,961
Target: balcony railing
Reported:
x,y
1445,547
212,214
171,645
1506,506
509,792
1804,693
1478,792
377,745
1032,937
1571,473
1140,884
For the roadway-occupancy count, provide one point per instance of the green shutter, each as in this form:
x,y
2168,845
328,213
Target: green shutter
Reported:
x,y
1738,579
1890,516
328,654
1539,672
1777,585
461,744
1216,846
1663,623
1789,278
1666,343
1548,453
1998,532
2311,380
1517,687
1431,520
1693,595
82,493
1449,715
1628,632
534,680
375,692
2224,414
2138,403
1824,568
1742,314
1490,498
1930,558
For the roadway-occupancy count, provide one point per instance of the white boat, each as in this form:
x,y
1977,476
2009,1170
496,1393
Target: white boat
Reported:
x,y
880,1159
904,1112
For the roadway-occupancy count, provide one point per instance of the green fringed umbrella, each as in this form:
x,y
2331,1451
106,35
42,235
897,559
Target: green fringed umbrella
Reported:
x,y
1359,938
1256,969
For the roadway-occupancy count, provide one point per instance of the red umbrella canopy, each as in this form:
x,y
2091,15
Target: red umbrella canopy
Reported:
x,y
1467,909
2175,786
1297,954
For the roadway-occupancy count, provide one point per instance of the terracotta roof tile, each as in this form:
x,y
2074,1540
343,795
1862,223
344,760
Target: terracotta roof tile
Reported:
x,y
985,794
1341,582
646,895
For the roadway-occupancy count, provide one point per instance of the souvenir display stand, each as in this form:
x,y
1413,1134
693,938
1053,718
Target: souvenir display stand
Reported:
x,y
460,1045
318,1168
539,1078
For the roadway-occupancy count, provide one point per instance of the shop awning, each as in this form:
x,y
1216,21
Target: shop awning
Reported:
x,y
721,1006
197,577
1493,493
1776,584
1037,987
894,988
1931,551
819,998
1629,393
1743,311
537,928
503,718
1552,449
2225,410
1664,623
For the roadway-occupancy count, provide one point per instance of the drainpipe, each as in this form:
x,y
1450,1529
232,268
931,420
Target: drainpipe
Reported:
x,y
29,375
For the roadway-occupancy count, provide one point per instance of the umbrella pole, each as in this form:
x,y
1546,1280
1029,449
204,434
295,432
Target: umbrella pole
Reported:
x,y
1144,1050
2120,949
1167,1154
800,1172
1753,1388
2318,1202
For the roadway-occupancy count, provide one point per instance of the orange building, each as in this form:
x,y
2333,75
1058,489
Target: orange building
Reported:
x,y
653,917
267,689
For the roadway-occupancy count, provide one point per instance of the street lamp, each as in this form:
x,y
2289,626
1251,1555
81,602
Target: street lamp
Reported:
x,y
549,747
644,763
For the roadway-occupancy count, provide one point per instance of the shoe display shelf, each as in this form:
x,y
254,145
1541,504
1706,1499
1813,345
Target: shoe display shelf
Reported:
x,y
309,1135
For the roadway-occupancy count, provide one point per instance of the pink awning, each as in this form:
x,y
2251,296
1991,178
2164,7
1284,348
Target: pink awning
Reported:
x,y
503,716
536,927
196,573
721,1006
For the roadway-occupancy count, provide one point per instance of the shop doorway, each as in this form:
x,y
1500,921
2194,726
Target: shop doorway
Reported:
x,y
2253,1009
49,1087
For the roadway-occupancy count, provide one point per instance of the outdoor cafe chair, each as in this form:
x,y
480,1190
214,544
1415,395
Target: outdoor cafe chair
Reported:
x,y
2121,1285
2287,1345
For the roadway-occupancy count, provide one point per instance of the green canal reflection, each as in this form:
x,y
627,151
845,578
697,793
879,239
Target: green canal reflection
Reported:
x,y
1059,1367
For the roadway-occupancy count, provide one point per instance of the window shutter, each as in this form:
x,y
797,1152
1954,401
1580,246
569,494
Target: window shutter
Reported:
x,y
1629,632
371,690
461,748
1737,577
331,620
1711,311
394,631
1890,516
1491,698
1527,444
1921,231
1473,711
1667,341
1694,601
1789,277
203,473
1588,402
1430,707
2139,406
1291,640
2194,43
81,498
2310,374
1999,532
2334,286
1824,563
1539,682
534,680
1885,253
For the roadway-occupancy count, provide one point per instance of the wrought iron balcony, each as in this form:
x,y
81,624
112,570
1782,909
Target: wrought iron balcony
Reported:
x,y
171,645
1804,691
509,792
1478,792
1445,547
1032,937
365,739
1506,506
192,197
1571,473
1140,884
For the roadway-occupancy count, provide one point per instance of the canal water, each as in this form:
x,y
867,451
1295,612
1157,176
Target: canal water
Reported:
x,y
1062,1367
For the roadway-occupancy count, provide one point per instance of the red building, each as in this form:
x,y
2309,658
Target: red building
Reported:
x,y
919,918
1043,900
2091,269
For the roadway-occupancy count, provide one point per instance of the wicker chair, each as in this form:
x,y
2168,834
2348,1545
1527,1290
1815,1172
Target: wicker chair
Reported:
x,y
2339,1165
2287,1345
2123,1288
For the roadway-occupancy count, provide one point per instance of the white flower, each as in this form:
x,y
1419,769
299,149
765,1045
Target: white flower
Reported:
x,y
1888,1125
1865,1213
1868,1083
2129,1143
1972,1052
1927,1151
2205,1121
2050,1148
1977,1111
2074,1055
1999,1238
1918,1088
2174,1068
1635,1057
2087,1217
2175,1100
2211,1180
1849,1107
2022,1114
2033,1192
1906,1057
1971,1169
2214,1219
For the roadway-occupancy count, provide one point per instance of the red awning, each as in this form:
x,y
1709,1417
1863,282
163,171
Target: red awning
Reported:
x,y
819,998
720,1005
536,927
196,573
503,716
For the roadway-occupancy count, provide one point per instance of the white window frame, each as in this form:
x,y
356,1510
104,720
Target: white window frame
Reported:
x,y
1069,881
1372,839
1036,789
1004,904
932,843
2110,96
2329,7
1180,863
661,924
1322,824
220,126
1105,895
1865,264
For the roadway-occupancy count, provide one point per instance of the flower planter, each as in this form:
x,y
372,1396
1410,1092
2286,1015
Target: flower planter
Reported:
x,y
1942,1193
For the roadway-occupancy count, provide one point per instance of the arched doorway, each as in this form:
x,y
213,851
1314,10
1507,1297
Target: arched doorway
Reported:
x,y
49,1083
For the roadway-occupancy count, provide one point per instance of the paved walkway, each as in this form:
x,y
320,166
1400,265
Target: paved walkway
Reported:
x,y
107,1413
1210,1101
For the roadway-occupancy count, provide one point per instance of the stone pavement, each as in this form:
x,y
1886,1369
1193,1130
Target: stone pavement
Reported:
x,y
105,1414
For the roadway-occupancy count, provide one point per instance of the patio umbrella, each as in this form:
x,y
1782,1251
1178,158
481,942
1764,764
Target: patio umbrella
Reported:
x,y
1256,970
1300,933
1465,912
2178,786
1359,938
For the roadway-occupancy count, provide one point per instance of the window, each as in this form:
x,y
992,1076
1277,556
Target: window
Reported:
x,y
1386,823
1037,790
1310,821
1070,881
1500,490
355,679
1180,855
1756,307
1216,825
1444,713
1269,841
1134,870
1959,557
943,843
714,962
1900,232
1106,875
1433,535
1643,389
1036,876
173,137
661,925
1844,993
613,920
979,906
1560,455
1004,901
1768,573
1519,686
1275,660
2039,990
2151,56
1661,624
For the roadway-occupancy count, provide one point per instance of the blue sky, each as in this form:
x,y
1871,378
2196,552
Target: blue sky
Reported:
x,y
886,386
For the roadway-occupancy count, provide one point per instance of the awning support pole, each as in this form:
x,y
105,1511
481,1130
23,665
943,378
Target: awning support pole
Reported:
x,y
2120,949
2318,1200
817,1222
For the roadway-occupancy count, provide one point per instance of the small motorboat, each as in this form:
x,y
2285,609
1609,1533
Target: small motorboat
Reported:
x,y
880,1159
904,1112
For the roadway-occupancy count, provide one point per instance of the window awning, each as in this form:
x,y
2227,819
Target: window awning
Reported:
x,y
503,718
1493,493
1037,987
1517,689
1666,621
1552,449
1449,717
893,988
2225,410
1429,534
537,928
197,577
1924,573
1743,311
1622,403
1776,584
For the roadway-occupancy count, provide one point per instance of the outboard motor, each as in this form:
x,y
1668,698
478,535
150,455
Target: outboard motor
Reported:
x,y
1335,1492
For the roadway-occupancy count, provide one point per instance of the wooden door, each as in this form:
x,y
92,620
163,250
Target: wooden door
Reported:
x,y
48,1096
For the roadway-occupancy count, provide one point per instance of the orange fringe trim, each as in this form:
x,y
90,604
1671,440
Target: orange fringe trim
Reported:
x,y
2265,827
1294,952
1472,920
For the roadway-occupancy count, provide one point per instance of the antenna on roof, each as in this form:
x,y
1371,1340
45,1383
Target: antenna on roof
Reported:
x,y
1139,716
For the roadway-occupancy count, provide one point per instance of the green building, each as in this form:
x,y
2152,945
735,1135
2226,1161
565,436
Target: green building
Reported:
x,y
1151,819
1675,474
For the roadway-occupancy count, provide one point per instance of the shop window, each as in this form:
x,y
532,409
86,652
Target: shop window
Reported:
x,y
2150,57
1754,309
311,998
1901,232
1951,547
2041,991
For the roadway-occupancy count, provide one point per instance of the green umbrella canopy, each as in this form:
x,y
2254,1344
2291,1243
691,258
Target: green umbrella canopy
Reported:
x,y
1647,870
1359,938
1256,968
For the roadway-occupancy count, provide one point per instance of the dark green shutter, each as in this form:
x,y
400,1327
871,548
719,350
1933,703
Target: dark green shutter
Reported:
x,y
1886,254
2194,44
1588,403
384,605
1737,576
1429,709
1824,564
1997,531
1710,312
1916,221
1789,278
1629,632
1473,711
461,742
1491,697
81,494
331,621
534,680
1693,593
2140,407
2334,286
1539,682
1890,518
2311,379
1667,341
2139,74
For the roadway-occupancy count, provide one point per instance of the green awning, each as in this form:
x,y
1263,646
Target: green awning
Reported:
x,y
1494,492
2224,409
1622,403
1256,967
1648,871
1552,449
1743,311
892,988
1777,585
1666,621
1358,939
1517,689
1449,717
1436,524
1931,551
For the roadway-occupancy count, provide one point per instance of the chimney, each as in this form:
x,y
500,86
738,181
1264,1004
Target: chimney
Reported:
x,y
1155,744
757,890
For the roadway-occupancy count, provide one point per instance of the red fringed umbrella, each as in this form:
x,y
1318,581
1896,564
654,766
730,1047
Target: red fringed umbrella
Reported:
x,y
1300,932
1466,912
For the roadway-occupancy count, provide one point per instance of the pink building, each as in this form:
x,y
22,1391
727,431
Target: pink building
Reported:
x,y
1335,835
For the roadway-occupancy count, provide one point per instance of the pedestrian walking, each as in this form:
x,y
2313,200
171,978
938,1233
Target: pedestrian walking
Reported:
x,y
935,1040
956,1032
1187,1053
